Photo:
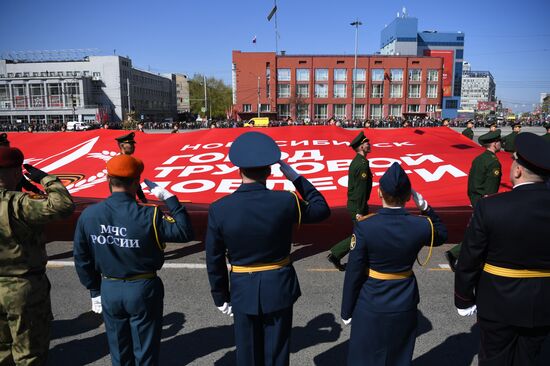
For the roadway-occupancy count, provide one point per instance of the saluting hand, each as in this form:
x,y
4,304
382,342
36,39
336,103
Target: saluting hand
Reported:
x,y
36,175
157,191
420,202
288,172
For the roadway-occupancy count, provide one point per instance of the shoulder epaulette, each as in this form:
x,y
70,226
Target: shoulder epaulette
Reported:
x,y
366,217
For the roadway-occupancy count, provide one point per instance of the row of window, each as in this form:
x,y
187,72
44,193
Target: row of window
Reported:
x,y
339,90
51,73
357,74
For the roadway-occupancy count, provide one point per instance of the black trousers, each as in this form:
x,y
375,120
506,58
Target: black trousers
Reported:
x,y
504,344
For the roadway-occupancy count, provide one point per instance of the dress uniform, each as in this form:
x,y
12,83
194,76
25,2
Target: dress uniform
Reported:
x,y
504,265
359,190
25,308
380,293
118,247
468,132
508,141
252,228
126,144
546,136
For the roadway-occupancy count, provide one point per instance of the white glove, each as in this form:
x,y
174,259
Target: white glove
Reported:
x,y
157,191
468,311
287,170
346,321
420,202
96,304
226,308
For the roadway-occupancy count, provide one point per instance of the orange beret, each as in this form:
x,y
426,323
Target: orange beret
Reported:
x,y
124,166
10,157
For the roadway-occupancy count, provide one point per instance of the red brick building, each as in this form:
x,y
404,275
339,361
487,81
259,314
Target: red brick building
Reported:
x,y
320,86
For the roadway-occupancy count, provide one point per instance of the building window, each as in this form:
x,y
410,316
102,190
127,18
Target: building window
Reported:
x,y
413,108
459,54
19,94
414,91
283,110
247,107
339,111
377,91
321,90
415,74
4,97
359,111
321,111
376,110
396,91
302,90
283,74
340,75
339,90
432,91
360,75
451,104
283,90
35,74
359,90
396,74
432,108
433,75
321,74
72,92
55,96
302,111
377,75
302,74
265,107
37,95
396,110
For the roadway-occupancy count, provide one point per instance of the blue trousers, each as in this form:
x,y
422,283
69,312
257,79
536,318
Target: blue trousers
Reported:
x,y
382,338
263,340
132,311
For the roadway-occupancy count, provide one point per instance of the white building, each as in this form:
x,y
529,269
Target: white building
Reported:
x,y
477,86
86,89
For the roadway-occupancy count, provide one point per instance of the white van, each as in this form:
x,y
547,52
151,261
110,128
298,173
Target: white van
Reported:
x,y
78,126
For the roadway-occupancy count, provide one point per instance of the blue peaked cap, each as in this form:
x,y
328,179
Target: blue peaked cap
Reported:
x,y
254,150
395,181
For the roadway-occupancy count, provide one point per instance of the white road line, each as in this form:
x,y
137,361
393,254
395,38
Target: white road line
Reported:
x,y
446,266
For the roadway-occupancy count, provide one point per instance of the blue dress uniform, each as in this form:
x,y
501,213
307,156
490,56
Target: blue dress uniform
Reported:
x,y
252,227
118,247
380,290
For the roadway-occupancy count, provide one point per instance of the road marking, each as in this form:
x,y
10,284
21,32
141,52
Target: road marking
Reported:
x,y
322,270
60,264
446,266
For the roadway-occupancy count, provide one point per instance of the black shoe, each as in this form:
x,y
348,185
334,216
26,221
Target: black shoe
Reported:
x,y
336,262
453,261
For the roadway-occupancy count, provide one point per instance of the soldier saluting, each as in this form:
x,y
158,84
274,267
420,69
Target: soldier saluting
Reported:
x,y
24,183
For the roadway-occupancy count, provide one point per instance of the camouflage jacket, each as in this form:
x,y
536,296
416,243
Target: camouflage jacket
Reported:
x,y
22,216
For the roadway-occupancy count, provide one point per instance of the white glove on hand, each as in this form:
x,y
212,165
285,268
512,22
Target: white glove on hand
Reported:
x,y
157,191
96,304
420,202
288,172
226,308
346,321
468,311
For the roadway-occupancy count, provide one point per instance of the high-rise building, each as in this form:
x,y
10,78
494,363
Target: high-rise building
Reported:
x,y
401,37
477,86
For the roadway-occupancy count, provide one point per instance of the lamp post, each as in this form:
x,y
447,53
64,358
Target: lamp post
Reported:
x,y
355,24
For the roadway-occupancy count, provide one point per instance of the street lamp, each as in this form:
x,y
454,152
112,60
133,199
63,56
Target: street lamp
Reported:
x,y
355,24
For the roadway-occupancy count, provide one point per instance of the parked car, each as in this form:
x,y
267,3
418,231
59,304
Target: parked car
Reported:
x,y
78,126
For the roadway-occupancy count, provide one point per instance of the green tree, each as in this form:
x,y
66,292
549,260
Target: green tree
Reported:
x,y
218,95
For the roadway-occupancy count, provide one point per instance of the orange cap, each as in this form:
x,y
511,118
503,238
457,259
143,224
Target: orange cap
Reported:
x,y
124,166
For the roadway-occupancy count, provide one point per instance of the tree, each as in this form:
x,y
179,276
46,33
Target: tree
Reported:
x,y
218,95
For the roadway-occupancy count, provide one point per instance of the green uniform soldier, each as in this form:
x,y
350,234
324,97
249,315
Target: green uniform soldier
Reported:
x,y
25,308
127,146
547,135
483,179
359,189
468,132
24,183
509,141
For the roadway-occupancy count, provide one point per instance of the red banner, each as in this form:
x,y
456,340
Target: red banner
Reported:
x,y
195,165
448,66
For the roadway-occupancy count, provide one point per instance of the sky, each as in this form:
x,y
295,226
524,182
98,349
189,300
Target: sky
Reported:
x,y
511,39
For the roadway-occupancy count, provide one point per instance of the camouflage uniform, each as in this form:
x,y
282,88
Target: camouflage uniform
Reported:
x,y
25,309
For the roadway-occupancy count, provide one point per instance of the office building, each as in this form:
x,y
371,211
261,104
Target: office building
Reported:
x,y
477,86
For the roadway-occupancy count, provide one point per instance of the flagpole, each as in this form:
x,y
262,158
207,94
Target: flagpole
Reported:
x,y
276,31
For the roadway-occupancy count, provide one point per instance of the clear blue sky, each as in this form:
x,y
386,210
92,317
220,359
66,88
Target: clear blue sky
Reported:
x,y
509,38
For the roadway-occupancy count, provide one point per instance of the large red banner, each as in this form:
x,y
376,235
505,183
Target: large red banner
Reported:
x,y
195,165
448,66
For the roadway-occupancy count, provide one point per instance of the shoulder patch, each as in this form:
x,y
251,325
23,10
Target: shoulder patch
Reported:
x,y
353,242
364,175
36,196
366,217
168,219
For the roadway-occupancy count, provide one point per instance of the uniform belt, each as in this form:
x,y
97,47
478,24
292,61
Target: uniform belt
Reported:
x,y
516,273
260,267
389,276
141,276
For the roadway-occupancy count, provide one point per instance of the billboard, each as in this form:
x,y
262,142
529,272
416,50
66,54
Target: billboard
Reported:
x,y
448,65
486,106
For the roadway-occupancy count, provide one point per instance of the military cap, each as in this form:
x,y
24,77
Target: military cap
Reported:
x,y
358,140
533,152
546,125
126,138
516,124
489,137
124,166
491,123
470,121
254,150
10,157
395,181
4,139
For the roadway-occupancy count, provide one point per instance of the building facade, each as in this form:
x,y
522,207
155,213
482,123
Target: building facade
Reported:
x,y
182,93
401,37
95,88
477,86
320,87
